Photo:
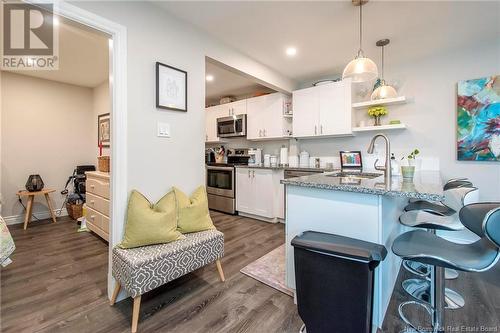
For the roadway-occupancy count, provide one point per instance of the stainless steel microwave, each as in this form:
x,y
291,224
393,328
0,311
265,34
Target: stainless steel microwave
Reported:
x,y
231,126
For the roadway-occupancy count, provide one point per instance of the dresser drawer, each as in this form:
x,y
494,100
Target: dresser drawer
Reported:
x,y
98,186
98,203
97,219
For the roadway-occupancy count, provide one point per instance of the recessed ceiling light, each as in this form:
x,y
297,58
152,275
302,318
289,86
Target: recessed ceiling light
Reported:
x,y
209,78
291,51
55,21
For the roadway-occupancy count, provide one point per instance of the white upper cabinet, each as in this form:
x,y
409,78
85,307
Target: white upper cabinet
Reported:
x,y
305,112
211,115
265,118
234,108
323,111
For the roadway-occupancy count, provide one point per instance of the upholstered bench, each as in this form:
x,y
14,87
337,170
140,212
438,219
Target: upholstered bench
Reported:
x,y
139,270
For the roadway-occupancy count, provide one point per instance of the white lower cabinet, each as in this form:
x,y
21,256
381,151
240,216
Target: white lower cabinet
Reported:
x,y
259,192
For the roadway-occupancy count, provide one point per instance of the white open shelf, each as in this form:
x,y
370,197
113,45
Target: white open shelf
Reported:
x,y
379,128
388,101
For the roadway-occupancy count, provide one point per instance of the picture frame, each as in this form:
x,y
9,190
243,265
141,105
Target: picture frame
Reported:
x,y
351,160
171,88
104,130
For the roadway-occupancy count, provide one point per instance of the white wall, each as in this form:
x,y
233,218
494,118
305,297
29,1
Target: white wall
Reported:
x,y
101,105
47,129
156,164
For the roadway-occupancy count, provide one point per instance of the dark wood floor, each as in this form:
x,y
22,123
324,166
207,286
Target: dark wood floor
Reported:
x,y
57,283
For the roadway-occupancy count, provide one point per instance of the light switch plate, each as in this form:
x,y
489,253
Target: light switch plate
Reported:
x,y
163,130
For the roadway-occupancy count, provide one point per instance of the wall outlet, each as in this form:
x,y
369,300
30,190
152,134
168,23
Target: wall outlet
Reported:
x,y
163,130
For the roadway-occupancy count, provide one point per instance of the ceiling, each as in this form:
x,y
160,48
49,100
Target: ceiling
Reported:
x,y
228,82
326,33
83,56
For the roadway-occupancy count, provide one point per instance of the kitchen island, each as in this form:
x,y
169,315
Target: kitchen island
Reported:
x,y
362,208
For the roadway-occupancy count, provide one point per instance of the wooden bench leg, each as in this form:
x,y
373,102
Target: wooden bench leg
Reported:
x,y
29,210
221,272
135,313
51,209
115,294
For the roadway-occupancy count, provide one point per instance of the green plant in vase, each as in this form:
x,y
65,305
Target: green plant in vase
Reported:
x,y
408,171
376,112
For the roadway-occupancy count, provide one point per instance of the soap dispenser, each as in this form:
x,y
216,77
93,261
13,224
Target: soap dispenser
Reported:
x,y
394,165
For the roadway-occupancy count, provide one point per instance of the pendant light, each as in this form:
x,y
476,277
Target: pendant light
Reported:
x,y
383,90
361,69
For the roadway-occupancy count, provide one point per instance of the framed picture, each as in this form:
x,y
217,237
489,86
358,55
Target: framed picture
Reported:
x,y
103,130
351,160
171,88
478,119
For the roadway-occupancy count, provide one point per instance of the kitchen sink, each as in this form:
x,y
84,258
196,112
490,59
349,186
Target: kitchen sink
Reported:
x,y
355,175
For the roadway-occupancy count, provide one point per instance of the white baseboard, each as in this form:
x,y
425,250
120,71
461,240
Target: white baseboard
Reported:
x,y
16,219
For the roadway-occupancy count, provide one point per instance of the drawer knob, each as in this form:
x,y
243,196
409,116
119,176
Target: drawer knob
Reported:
x,y
92,202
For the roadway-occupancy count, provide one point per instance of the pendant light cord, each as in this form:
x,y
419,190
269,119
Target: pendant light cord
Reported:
x,y
361,26
382,76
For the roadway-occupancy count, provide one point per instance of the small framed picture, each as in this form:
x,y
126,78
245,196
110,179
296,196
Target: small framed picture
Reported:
x,y
103,130
351,160
171,88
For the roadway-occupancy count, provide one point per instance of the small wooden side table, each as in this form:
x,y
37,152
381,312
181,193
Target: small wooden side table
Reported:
x,y
31,198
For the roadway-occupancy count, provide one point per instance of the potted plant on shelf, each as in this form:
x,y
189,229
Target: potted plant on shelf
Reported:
x,y
376,112
409,170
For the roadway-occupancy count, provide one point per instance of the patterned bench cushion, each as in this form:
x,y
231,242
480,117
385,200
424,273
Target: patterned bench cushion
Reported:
x,y
142,269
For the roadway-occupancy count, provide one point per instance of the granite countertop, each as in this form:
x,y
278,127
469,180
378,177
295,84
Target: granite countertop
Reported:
x,y
281,167
426,185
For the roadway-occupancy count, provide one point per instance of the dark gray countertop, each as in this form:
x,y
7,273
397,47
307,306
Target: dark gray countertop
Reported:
x,y
426,185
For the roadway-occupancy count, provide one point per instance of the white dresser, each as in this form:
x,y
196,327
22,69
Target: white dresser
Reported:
x,y
97,202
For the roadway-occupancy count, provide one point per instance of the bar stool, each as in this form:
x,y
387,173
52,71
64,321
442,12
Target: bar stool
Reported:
x,y
452,198
430,249
455,198
440,208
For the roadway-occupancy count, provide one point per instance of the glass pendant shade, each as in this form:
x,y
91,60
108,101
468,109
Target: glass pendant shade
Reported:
x,y
383,92
360,69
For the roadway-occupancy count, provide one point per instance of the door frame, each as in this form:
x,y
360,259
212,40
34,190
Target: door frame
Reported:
x,y
118,94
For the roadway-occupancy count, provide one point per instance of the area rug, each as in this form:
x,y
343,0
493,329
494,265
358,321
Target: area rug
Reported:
x,y
270,269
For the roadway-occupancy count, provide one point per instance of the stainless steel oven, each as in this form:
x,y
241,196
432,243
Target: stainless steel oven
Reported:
x,y
221,188
232,126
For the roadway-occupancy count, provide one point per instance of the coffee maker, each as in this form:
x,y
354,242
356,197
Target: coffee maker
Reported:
x,y
255,157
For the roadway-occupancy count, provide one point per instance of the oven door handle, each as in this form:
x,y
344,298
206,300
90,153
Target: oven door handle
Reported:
x,y
221,168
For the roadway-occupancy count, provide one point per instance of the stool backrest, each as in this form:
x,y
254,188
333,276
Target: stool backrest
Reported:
x,y
491,225
457,183
458,197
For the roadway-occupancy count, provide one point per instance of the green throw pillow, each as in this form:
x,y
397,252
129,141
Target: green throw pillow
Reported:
x,y
192,213
149,224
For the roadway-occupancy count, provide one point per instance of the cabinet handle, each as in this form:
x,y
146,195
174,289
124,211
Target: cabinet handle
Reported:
x,y
253,173
315,129
248,173
260,133
321,129
264,132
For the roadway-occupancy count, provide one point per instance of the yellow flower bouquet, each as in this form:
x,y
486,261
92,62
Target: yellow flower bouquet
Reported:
x,y
376,112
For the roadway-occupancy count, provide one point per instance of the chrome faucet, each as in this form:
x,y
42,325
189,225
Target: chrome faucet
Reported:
x,y
387,167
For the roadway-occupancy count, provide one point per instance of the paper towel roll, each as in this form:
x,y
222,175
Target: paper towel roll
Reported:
x,y
284,156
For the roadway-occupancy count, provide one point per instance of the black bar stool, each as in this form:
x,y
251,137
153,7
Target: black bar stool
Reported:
x,y
455,198
430,249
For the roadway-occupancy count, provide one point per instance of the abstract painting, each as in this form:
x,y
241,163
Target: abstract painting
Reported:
x,y
478,119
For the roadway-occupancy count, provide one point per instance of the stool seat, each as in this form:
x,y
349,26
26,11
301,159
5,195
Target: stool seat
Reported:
x,y
430,249
426,220
430,207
